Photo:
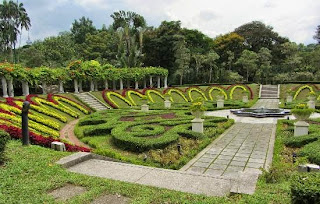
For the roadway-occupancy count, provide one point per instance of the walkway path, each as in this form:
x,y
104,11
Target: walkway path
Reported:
x,y
67,132
230,164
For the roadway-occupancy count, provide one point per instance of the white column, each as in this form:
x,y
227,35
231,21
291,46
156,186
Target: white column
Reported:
x,y
44,88
106,85
91,85
95,85
10,88
165,82
121,84
150,82
4,87
80,86
114,86
136,85
61,89
25,88
144,83
159,82
76,88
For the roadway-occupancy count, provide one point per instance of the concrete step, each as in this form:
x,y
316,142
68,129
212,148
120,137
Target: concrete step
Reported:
x,y
91,101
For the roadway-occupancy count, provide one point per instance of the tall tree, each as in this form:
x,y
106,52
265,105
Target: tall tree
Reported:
x,y
265,57
211,59
182,56
248,61
13,18
230,42
80,28
317,35
130,27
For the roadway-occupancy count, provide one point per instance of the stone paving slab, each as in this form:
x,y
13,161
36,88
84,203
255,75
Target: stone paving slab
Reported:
x,y
164,178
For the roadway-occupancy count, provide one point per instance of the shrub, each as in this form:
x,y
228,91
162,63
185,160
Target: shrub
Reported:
x,y
301,140
4,137
312,151
305,188
92,121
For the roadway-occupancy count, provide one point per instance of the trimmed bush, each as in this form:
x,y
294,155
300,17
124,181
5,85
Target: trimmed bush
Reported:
x,y
92,121
300,141
312,151
4,137
305,188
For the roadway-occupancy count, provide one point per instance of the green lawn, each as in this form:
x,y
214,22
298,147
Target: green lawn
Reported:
x,y
30,173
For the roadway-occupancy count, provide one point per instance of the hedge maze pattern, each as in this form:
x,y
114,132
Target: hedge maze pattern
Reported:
x,y
139,131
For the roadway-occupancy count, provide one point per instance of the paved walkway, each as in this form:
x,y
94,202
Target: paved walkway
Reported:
x,y
230,164
67,132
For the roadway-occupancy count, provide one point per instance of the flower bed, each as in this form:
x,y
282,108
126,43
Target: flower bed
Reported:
x,y
43,128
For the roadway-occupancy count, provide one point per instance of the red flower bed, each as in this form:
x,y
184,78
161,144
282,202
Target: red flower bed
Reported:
x,y
36,139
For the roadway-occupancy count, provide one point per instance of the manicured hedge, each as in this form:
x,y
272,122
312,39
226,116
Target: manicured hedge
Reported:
x,y
305,188
4,137
312,151
301,140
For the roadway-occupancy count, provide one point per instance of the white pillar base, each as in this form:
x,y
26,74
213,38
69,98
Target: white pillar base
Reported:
x,y
59,146
25,88
167,104
312,104
158,82
197,125
165,82
76,88
91,85
10,88
136,85
106,84
145,107
80,86
121,84
95,86
245,99
61,89
220,103
289,99
301,128
4,87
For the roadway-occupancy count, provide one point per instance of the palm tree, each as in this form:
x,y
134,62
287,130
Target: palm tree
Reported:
x,y
13,18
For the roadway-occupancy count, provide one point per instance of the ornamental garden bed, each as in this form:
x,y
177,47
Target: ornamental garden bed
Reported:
x,y
156,138
299,94
304,187
181,98
47,116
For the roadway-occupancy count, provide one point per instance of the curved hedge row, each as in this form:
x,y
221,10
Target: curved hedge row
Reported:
x,y
311,87
138,131
131,97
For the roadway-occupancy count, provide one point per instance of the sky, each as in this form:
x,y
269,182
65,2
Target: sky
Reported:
x,y
295,19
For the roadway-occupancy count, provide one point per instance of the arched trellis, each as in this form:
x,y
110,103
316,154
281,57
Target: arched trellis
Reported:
x,y
195,89
302,88
148,93
107,97
243,87
175,90
212,88
129,92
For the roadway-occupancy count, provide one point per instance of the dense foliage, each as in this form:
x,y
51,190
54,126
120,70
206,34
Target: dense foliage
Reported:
x,y
253,52
4,137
